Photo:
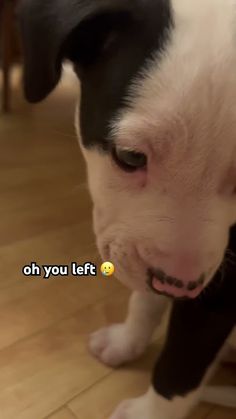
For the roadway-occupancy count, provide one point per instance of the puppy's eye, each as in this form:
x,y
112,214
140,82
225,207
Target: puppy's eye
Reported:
x,y
129,160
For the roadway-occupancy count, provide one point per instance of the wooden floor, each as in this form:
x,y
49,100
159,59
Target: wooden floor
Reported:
x,y
45,368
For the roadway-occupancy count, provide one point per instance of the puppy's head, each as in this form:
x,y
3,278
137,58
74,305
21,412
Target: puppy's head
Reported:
x,y
156,122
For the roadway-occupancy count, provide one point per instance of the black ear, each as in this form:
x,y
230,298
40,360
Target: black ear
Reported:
x,y
53,30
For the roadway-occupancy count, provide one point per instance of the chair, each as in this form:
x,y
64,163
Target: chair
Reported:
x,y
9,50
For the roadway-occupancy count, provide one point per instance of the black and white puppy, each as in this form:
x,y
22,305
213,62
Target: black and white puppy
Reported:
x,y
157,127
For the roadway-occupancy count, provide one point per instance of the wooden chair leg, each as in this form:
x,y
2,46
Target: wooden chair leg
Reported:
x,y
6,53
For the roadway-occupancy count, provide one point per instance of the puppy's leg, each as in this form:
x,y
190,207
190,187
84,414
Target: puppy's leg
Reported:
x,y
153,406
195,337
124,342
223,395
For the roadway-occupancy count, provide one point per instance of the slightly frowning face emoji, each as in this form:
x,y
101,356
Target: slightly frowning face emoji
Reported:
x,y
107,268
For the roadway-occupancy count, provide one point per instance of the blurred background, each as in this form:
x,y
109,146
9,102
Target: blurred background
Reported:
x,y
45,217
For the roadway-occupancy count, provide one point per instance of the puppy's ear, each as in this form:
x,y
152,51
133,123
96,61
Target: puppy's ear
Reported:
x,y
54,30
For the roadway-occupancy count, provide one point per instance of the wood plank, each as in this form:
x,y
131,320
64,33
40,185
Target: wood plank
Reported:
x,y
63,413
63,245
42,373
42,219
102,398
32,304
47,305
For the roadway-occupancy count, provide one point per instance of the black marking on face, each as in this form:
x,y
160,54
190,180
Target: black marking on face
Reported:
x,y
178,283
158,273
192,285
170,280
109,42
163,278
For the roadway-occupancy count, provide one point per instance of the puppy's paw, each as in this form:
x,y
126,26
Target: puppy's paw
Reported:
x,y
116,345
153,406
133,409
124,411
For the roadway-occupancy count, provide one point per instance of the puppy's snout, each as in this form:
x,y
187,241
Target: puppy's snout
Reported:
x,y
179,274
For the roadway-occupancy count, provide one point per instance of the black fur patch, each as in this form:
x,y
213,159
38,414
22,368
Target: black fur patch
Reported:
x,y
106,81
108,41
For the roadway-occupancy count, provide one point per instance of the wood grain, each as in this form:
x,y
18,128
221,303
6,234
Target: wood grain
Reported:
x,y
63,413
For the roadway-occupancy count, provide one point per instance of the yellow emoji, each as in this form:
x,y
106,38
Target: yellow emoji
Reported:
x,y
107,268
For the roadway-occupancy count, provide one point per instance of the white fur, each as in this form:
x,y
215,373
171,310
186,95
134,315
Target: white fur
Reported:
x,y
124,342
153,406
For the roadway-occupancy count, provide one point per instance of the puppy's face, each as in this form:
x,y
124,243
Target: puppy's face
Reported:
x,y
156,122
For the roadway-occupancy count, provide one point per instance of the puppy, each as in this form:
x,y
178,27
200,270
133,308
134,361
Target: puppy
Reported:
x,y
157,126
